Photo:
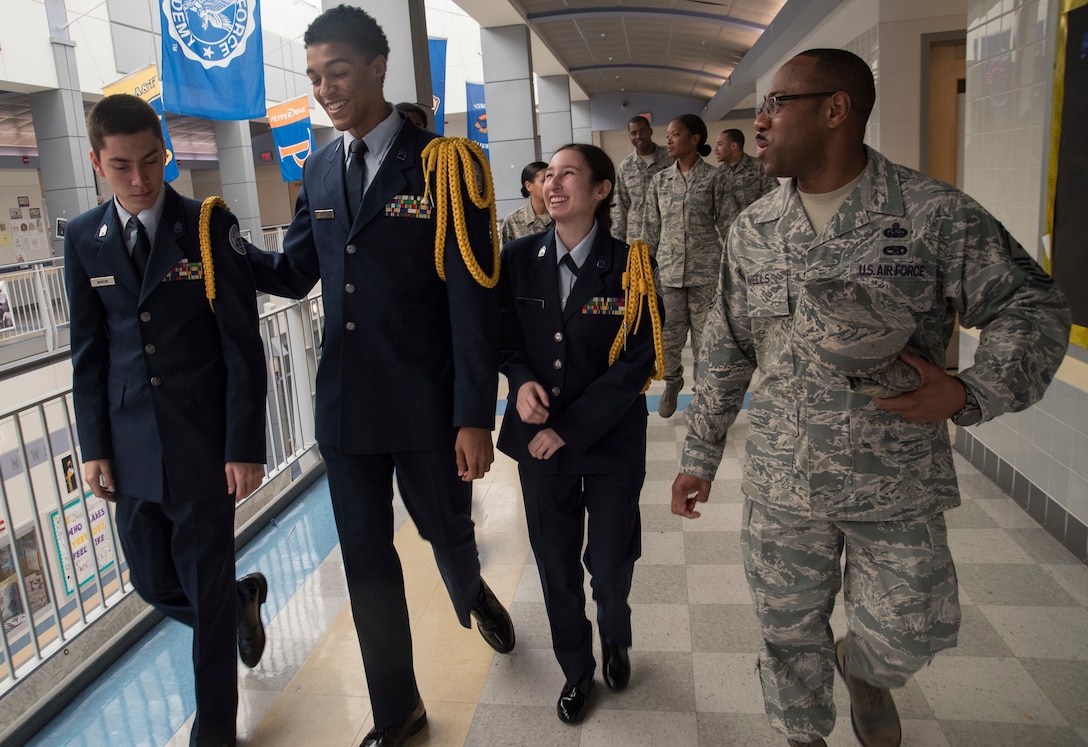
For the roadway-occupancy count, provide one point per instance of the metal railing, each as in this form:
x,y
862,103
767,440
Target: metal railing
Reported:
x,y
61,564
34,315
33,309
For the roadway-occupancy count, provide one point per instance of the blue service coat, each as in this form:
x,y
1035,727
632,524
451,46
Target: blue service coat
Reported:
x,y
407,358
158,378
597,409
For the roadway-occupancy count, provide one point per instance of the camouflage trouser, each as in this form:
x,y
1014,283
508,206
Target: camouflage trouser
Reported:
x,y
900,591
685,309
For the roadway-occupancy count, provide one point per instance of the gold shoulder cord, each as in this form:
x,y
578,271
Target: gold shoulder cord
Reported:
x,y
638,284
451,158
205,226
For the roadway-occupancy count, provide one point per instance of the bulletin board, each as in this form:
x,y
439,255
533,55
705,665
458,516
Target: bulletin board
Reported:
x,y
1067,221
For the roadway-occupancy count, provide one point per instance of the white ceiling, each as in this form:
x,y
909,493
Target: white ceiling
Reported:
x,y
684,47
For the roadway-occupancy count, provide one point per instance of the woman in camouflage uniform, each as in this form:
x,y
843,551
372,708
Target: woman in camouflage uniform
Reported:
x,y
687,213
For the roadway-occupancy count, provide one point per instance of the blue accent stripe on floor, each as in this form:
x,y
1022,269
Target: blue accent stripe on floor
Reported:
x,y
147,695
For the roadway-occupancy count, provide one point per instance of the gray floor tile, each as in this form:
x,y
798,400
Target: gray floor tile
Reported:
x,y
977,636
660,681
1006,513
712,548
662,548
993,690
724,628
661,627
1025,585
1042,632
610,728
717,584
521,726
1065,683
988,734
659,584
985,546
727,683
1072,578
1041,546
660,518
734,729
970,515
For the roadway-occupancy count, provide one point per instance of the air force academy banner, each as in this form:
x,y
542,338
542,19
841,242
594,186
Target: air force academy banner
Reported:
x,y
293,135
212,58
477,113
146,85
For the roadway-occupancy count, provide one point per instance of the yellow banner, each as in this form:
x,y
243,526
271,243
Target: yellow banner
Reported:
x,y
143,83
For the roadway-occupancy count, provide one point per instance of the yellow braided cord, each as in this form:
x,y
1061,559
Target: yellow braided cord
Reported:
x,y
451,158
205,224
638,284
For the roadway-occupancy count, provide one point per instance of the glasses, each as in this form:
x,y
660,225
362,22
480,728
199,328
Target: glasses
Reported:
x,y
772,105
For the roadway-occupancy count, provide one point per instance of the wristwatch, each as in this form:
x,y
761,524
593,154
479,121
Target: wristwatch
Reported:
x,y
971,414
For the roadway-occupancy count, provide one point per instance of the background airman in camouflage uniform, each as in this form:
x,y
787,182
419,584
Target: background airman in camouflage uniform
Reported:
x,y
744,176
686,218
633,176
829,467
532,217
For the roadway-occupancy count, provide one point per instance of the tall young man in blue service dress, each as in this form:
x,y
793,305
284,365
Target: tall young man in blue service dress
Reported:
x,y
170,397
408,376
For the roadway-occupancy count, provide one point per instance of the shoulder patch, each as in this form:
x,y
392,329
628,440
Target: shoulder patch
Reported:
x,y
236,242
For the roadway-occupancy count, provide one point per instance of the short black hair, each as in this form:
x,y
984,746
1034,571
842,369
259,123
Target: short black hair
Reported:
x,y
120,114
696,126
839,70
638,119
409,109
529,173
351,25
601,168
735,136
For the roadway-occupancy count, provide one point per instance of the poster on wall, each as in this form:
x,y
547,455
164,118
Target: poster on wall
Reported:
x,y
29,559
82,538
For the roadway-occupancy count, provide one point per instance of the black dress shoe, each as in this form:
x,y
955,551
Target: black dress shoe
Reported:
x,y
616,666
254,589
493,621
574,700
398,733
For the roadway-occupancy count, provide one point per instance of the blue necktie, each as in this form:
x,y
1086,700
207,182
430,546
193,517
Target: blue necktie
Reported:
x,y
141,250
353,175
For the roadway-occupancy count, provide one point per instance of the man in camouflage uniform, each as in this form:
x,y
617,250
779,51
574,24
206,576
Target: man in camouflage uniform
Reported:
x,y
830,468
633,177
744,177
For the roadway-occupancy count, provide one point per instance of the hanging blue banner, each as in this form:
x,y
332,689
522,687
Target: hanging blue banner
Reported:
x,y
476,118
212,58
293,136
437,50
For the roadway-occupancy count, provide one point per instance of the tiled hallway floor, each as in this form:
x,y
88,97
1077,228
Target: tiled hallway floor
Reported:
x,y
1019,677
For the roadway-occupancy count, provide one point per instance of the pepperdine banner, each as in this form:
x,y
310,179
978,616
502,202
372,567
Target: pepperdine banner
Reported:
x,y
293,135
213,58
146,85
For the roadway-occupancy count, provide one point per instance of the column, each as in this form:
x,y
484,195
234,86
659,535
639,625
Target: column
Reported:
x,y
238,176
408,77
60,129
511,122
581,122
553,113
